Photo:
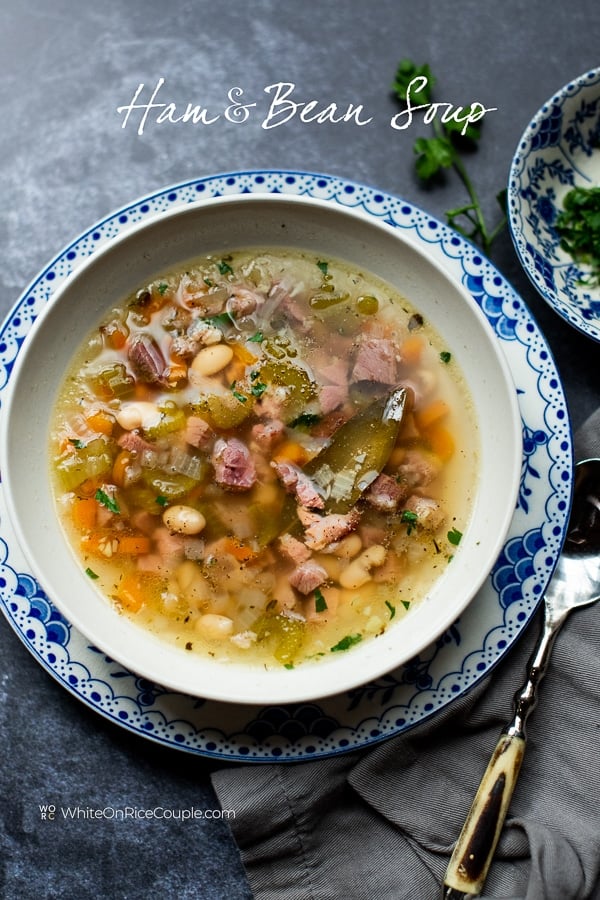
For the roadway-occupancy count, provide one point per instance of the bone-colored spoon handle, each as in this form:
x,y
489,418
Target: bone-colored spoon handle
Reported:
x,y
475,847
477,841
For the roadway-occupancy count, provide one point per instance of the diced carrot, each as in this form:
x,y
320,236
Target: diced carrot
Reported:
x,y
291,451
109,545
241,352
425,418
100,422
89,487
133,545
120,466
177,370
441,442
143,391
411,349
130,593
241,552
84,513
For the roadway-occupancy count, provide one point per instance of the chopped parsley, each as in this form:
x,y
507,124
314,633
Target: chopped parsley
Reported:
x,y
578,227
90,573
406,604
219,320
391,608
320,602
346,642
454,536
288,665
410,518
79,445
445,356
107,501
258,389
162,287
305,420
241,397
323,266
256,338
225,268
161,500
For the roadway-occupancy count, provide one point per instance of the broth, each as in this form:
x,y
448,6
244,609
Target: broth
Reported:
x,y
227,469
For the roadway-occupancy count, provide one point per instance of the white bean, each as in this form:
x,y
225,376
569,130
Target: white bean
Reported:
x,y
212,359
182,519
358,572
347,547
141,414
214,626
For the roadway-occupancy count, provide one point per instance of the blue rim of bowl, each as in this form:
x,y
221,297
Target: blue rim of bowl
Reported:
x,y
467,652
544,132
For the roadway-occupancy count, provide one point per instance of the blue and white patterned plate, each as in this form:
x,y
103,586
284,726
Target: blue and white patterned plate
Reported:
x,y
459,659
559,150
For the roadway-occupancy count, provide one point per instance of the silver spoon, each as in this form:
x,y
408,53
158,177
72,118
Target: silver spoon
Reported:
x,y
576,582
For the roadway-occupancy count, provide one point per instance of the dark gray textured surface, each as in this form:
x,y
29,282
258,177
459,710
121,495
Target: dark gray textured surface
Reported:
x,y
66,162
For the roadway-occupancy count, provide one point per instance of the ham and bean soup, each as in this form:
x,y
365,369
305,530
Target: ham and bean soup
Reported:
x,y
266,456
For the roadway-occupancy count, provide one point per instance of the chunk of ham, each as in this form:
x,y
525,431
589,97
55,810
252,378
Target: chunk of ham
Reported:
x,y
308,576
418,469
198,433
296,482
376,360
293,549
320,531
267,434
135,443
146,358
233,465
429,513
386,493
332,396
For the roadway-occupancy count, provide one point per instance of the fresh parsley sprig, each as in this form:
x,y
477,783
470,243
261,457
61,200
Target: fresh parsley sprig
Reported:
x,y
443,151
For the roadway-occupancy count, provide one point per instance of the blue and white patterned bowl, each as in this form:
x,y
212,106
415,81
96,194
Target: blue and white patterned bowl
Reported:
x,y
559,150
160,244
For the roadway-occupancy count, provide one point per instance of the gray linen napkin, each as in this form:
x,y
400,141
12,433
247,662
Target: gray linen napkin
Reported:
x,y
381,823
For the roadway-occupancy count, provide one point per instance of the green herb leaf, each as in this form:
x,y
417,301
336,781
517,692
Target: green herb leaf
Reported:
x,y
406,604
107,501
162,501
443,151
391,608
79,445
256,338
225,268
305,420
346,642
445,356
578,227
91,574
410,518
454,537
405,73
258,389
323,266
433,154
223,319
320,602
241,397
471,133
162,287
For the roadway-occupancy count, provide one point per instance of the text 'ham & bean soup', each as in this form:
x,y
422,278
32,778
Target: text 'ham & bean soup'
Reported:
x,y
266,456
